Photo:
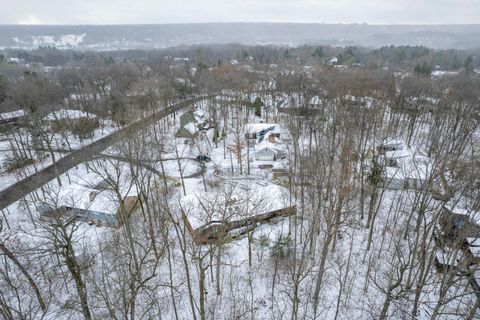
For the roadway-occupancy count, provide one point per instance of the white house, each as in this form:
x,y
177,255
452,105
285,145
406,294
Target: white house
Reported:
x,y
333,61
269,147
265,154
404,167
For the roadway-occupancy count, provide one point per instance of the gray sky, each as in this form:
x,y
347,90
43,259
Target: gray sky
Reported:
x,y
179,11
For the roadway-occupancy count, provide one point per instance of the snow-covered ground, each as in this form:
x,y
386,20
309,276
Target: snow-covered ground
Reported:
x,y
61,144
269,273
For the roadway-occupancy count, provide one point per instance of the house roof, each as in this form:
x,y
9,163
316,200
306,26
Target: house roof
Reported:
x,y
412,164
252,128
12,114
77,195
449,256
397,154
462,208
263,143
190,127
474,246
199,115
393,142
68,114
236,202
409,169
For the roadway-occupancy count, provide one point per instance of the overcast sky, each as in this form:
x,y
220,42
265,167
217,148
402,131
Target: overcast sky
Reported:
x,y
180,11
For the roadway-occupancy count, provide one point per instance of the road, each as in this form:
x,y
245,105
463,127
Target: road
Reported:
x,y
23,187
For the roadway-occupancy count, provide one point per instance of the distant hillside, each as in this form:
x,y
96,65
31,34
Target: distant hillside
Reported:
x,y
168,35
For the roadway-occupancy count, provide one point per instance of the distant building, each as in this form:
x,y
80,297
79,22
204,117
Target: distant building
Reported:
x,y
333,61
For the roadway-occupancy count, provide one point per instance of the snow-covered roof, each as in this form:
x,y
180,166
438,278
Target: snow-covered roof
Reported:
x,y
449,256
69,114
234,203
78,195
199,115
474,244
410,169
442,73
190,127
393,142
333,60
12,114
265,147
461,207
253,128
397,154
316,100
264,143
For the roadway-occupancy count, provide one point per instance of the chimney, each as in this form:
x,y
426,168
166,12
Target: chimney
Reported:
x,y
271,138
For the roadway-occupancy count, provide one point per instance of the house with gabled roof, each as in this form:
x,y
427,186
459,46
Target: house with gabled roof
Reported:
x,y
269,147
191,122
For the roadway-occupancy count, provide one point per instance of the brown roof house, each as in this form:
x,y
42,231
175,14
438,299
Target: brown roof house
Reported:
x,y
234,210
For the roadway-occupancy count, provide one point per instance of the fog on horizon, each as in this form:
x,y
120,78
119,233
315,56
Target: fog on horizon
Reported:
x,y
189,11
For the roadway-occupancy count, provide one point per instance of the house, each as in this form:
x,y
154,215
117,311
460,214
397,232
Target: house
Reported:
x,y
269,147
459,223
190,123
457,236
12,117
395,158
403,167
68,114
333,61
211,216
265,153
406,176
95,206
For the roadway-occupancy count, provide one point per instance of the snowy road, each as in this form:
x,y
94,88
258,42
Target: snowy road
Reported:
x,y
21,188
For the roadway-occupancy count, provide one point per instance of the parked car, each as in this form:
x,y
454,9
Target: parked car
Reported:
x,y
203,158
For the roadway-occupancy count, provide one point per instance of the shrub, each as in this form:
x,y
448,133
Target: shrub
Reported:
x,y
282,248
